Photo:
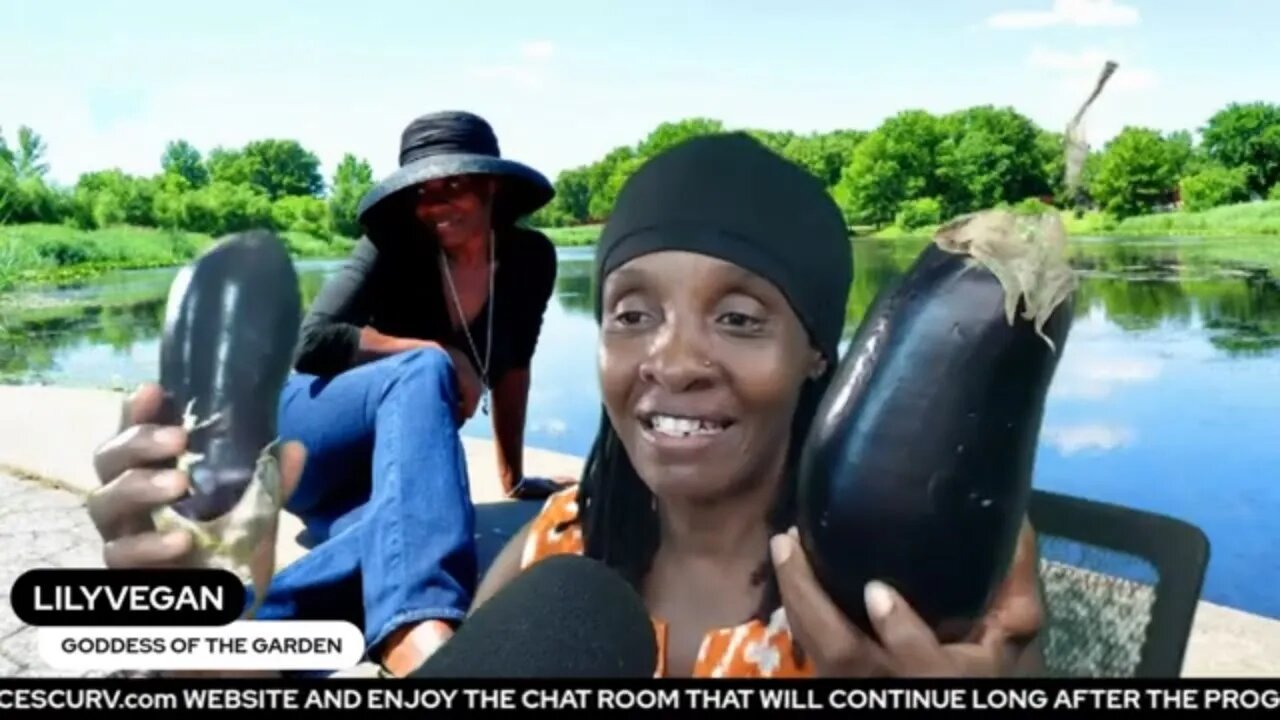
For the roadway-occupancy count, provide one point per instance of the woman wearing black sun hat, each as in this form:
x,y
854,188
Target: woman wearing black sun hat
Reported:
x,y
440,303
439,307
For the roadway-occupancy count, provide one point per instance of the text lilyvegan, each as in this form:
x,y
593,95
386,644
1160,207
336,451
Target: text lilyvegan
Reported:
x,y
141,598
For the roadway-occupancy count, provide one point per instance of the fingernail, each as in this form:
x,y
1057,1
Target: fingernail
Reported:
x,y
879,599
794,533
780,546
170,482
175,540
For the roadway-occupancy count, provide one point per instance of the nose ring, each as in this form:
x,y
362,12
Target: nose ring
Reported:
x,y
706,363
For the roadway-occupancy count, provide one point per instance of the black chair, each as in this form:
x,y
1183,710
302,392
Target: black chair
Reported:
x,y
1121,587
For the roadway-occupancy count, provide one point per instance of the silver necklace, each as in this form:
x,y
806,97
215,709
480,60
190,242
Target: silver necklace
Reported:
x,y
462,319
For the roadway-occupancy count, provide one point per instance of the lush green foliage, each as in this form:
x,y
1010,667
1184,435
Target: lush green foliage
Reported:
x,y
268,183
972,159
1247,135
1213,186
919,213
36,252
916,168
1138,171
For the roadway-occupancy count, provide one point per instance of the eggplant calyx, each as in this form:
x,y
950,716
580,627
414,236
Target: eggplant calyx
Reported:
x,y
1025,252
231,541
192,423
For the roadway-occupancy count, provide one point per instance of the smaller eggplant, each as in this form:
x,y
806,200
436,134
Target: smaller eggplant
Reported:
x,y
231,325
917,470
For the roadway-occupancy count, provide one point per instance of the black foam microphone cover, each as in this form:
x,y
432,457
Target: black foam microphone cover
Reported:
x,y
564,617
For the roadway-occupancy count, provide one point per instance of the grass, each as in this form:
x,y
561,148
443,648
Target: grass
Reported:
x,y
1253,219
55,253
573,236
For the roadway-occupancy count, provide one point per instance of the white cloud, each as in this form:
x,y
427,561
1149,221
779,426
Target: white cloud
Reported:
x,y
1080,70
1080,13
538,49
1098,378
1074,439
554,427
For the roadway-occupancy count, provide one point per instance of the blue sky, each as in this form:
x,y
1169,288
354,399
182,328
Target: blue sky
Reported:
x,y
564,81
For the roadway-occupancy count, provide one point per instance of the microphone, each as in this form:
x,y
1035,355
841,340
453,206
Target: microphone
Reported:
x,y
564,617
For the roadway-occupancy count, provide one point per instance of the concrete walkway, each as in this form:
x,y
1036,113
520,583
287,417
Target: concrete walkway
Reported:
x,y
48,435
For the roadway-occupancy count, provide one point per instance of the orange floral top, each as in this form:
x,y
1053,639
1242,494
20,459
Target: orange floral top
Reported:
x,y
751,650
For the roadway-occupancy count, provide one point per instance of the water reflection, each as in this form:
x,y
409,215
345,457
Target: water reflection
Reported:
x,y
1165,398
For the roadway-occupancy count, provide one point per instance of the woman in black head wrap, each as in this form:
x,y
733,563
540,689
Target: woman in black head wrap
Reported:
x,y
722,280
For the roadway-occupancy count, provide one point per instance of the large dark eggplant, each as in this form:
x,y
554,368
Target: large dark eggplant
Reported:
x,y
917,469
230,330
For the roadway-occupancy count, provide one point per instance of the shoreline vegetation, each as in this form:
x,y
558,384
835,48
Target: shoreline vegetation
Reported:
x,y
899,180
1246,234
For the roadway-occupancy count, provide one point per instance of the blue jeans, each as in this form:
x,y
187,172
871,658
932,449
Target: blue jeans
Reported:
x,y
384,497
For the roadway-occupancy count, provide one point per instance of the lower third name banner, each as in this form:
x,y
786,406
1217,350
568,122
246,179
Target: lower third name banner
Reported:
x,y
241,645
409,696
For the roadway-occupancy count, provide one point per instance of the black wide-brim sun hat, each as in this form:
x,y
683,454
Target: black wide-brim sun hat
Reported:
x,y
449,144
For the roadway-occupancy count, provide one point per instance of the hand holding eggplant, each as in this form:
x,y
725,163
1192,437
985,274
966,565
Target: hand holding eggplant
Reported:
x,y
230,329
136,470
905,645
918,468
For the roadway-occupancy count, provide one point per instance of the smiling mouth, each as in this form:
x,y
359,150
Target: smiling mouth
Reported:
x,y
683,427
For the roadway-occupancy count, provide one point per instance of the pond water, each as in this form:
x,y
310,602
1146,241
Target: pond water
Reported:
x,y
1166,398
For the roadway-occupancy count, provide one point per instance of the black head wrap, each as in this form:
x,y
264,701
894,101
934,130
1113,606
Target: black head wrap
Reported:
x,y
730,197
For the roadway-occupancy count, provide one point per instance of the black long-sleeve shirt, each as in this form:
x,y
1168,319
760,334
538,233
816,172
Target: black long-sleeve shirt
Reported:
x,y
397,291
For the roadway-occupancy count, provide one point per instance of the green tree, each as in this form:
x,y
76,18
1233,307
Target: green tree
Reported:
x,y
1248,135
606,177
1213,186
1051,154
277,168
6,153
893,164
223,207
168,206
1138,170
919,213
28,159
670,134
111,197
775,140
573,194
24,195
8,193
572,202
824,154
230,166
352,179
304,214
988,156
181,158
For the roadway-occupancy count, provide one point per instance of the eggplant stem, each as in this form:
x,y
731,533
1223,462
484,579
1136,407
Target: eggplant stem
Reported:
x,y
191,423
1077,148
232,540
1028,252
